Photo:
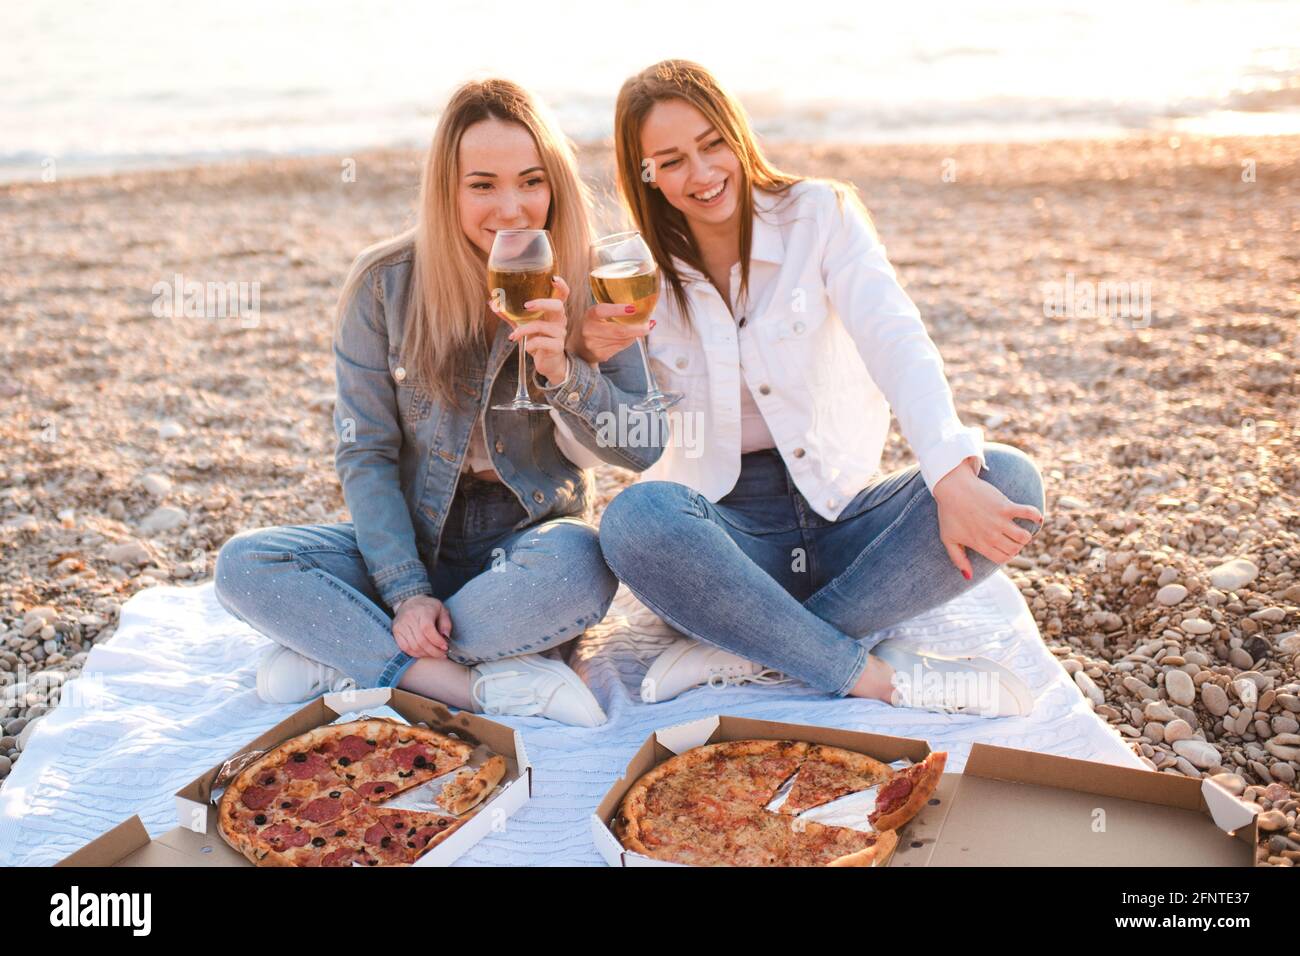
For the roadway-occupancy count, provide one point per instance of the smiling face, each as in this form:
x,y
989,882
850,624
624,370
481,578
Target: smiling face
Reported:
x,y
503,184
694,167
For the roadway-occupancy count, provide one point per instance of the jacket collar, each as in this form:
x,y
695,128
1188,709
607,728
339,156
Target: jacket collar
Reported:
x,y
766,243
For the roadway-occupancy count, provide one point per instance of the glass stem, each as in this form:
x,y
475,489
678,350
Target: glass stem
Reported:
x,y
521,393
652,387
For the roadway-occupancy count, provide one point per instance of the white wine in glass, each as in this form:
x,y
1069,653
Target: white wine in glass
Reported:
x,y
520,267
624,272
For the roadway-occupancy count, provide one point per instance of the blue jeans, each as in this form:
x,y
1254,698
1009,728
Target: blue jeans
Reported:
x,y
764,576
508,592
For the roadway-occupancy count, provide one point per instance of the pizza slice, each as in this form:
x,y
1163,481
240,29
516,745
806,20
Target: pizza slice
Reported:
x,y
383,758
273,801
340,843
738,774
417,831
906,792
820,845
469,787
693,840
829,773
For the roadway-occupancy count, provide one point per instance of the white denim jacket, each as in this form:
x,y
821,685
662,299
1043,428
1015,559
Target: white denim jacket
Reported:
x,y
829,342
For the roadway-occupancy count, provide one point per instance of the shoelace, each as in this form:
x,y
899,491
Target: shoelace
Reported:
x,y
522,697
331,679
730,677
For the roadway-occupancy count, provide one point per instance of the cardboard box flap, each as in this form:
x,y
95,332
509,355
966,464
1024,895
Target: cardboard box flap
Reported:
x,y
1130,783
111,846
680,738
346,701
1229,813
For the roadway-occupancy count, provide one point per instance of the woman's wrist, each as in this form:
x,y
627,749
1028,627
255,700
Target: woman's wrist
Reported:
x,y
568,370
959,477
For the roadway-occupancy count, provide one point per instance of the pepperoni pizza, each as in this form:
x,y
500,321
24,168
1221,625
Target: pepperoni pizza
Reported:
x,y
318,798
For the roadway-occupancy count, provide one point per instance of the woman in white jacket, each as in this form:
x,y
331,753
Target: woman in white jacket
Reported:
x,y
766,530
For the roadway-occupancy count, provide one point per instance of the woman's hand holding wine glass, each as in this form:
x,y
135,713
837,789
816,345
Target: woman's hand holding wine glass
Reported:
x,y
521,270
624,274
601,338
545,335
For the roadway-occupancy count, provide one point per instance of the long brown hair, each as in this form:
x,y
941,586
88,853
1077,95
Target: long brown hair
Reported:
x,y
662,225
447,305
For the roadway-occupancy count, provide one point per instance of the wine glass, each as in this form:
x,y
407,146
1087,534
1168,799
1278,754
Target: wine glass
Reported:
x,y
520,267
624,271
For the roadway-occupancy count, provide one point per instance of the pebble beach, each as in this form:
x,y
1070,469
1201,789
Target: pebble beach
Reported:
x,y
1126,311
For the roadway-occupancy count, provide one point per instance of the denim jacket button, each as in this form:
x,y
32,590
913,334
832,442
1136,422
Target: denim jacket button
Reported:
x,y
399,373
573,398
500,446
538,497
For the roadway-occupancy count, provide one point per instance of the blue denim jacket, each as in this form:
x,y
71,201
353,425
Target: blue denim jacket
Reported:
x,y
400,451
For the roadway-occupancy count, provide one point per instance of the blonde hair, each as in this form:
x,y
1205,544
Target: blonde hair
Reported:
x,y
664,227
447,305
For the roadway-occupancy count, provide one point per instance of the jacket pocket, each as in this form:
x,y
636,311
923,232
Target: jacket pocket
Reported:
x,y
414,401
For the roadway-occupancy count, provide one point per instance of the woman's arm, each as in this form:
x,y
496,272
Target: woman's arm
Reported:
x,y
891,338
369,435
595,404
906,365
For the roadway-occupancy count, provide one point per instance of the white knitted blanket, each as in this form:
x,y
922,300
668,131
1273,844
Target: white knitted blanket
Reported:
x,y
172,694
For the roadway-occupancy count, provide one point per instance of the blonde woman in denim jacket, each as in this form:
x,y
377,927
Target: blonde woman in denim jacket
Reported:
x,y
779,546
468,554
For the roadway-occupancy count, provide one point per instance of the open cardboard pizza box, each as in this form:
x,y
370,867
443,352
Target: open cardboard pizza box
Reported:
x,y
1007,808
196,841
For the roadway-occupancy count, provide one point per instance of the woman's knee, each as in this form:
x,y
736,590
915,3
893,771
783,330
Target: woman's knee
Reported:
x,y
1014,473
577,546
642,516
233,574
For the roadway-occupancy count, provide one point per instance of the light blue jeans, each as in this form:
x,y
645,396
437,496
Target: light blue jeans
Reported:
x,y
509,592
764,576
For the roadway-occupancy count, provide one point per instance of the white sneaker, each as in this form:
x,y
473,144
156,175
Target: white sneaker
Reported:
x,y
973,686
687,663
286,677
534,686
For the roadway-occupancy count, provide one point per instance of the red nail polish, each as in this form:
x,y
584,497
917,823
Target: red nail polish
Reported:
x,y
630,309
965,574
652,323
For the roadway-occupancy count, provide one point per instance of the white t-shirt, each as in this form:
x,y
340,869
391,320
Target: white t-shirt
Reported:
x,y
754,433
476,458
